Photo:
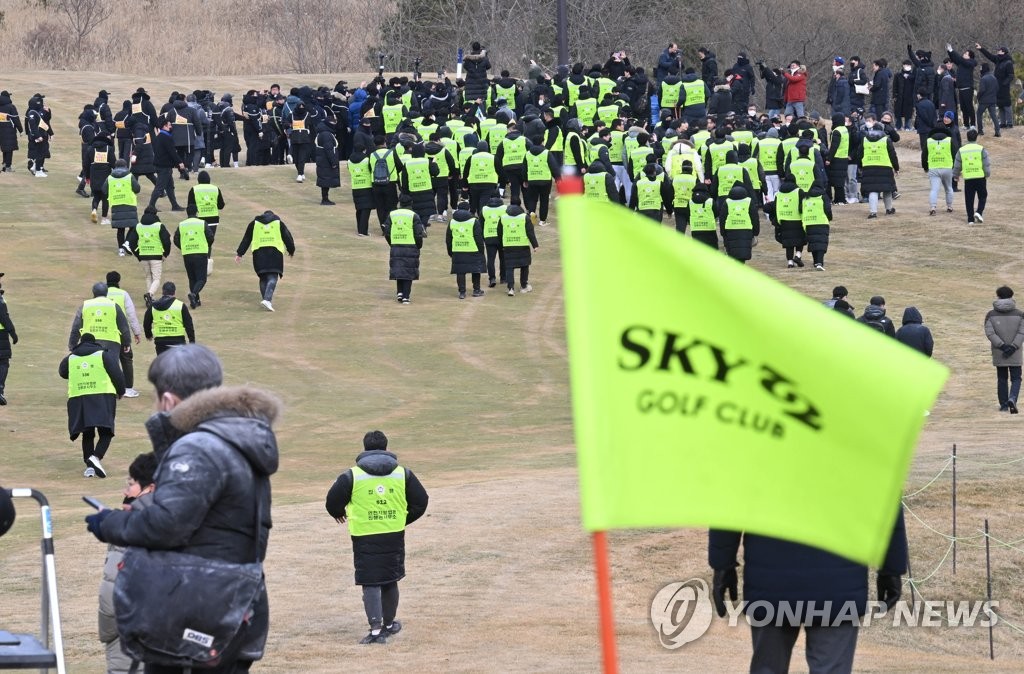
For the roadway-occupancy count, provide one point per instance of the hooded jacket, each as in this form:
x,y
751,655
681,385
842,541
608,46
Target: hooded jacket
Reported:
x,y
914,333
94,410
162,304
11,128
1005,325
875,317
217,452
267,260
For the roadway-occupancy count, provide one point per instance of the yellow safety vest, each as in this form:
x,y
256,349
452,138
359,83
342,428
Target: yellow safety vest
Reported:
x,y
491,216
192,237
586,110
99,318
392,116
695,93
88,376
149,239
402,233
267,235
717,153
755,176
495,135
481,169
118,295
972,162
515,151
683,185
418,171
702,218
463,240
537,167
940,153
768,154
738,216
594,186
787,206
803,170
876,153
168,322
378,504
206,200
729,175
639,159
648,194
814,212
670,94
361,175
119,191
843,151
513,231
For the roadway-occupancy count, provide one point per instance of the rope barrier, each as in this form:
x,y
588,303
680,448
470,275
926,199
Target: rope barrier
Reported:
x,y
932,481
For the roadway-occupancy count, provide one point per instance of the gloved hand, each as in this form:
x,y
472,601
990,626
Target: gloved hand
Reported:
x,y
890,588
95,521
725,579
1008,350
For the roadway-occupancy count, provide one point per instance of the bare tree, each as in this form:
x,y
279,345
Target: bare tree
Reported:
x,y
83,17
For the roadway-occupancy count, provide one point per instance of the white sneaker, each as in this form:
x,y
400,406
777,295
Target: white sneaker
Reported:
x,y
978,218
131,393
209,266
93,216
511,292
94,461
235,164
267,305
40,174
543,223
299,178
287,159
528,288
105,221
202,163
89,472
120,252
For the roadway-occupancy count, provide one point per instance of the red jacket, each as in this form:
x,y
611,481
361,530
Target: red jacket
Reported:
x,y
796,87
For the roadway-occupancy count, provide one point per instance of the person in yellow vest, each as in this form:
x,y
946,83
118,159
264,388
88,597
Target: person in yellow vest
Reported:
x,y
769,157
360,173
150,242
8,337
876,156
702,216
193,238
481,176
124,301
379,497
104,319
416,178
784,213
441,149
754,172
599,183
730,173
509,160
168,323
208,200
518,242
542,166
95,384
972,162
384,188
816,214
269,238
490,215
464,240
404,233
739,223
683,184
122,189
837,160
937,160
652,193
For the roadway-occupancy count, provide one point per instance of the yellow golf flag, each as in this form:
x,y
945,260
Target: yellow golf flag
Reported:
x,y
707,394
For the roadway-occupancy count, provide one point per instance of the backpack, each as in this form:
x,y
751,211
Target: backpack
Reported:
x,y
381,171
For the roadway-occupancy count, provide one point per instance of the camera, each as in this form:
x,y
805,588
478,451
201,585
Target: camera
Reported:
x,y
759,62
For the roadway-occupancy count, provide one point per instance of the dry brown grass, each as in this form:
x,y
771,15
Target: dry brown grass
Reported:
x,y
475,398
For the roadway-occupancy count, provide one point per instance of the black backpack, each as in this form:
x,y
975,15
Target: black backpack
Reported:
x,y
381,170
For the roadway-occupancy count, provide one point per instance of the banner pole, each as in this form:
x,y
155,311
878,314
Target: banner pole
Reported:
x,y
604,601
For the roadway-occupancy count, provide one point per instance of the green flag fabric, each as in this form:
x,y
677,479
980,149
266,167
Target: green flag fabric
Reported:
x,y
708,394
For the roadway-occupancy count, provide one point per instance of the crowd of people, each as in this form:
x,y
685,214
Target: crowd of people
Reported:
x,y
480,155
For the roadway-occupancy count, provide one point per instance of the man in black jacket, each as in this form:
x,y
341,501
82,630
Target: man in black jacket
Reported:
x,y
217,451
988,87
874,316
1005,77
165,159
708,66
389,497
167,322
965,64
8,336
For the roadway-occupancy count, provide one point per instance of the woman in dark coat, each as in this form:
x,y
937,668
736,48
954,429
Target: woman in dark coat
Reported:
x,y
101,163
123,132
463,226
37,128
878,179
404,261
836,166
476,64
516,256
94,412
817,234
789,231
10,129
142,158
362,197
328,172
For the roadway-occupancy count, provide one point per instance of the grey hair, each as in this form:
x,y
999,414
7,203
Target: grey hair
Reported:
x,y
184,370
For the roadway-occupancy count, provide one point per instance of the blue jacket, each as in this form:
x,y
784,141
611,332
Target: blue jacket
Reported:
x,y
924,120
776,570
355,108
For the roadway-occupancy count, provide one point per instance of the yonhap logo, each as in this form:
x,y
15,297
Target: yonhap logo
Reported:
x,y
681,612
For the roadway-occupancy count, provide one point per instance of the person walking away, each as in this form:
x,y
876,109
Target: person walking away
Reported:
x,y
8,337
167,323
208,200
361,184
384,169
515,231
124,302
165,159
95,384
10,129
150,242
137,492
328,168
377,515
100,167
937,161
972,162
914,333
837,159
988,91
541,167
876,155
220,508
739,223
301,140
193,238
784,213
121,189
481,176
404,233
815,216
38,133
1004,327
103,318
269,238
416,178
465,243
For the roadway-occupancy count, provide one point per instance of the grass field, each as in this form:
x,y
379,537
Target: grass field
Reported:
x,y
474,397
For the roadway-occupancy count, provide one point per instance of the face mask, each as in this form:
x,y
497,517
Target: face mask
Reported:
x,y
907,69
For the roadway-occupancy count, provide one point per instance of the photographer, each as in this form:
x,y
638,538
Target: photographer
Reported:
x,y
669,58
617,64
773,86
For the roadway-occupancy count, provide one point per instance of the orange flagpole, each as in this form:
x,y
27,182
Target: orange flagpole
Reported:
x,y
604,601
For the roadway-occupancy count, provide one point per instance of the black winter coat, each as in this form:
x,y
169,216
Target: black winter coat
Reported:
x,y
94,410
903,93
772,89
914,333
988,90
721,102
817,235
709,69
378,558
267,260
463,262
328,172
964,70
11,128
519,256
877,178
142,151
223,436
8,335
787,232
476,66
37,137
775,571
880,83
404,260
